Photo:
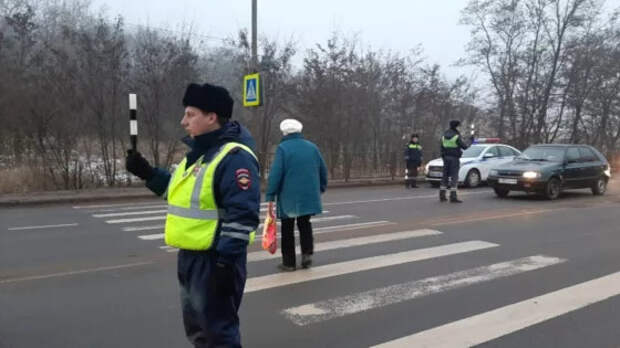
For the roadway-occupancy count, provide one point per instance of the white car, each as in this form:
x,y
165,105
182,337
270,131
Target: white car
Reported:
x,y
476,162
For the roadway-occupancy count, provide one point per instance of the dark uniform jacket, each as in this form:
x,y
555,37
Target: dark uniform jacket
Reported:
x,y
413,154
453,152
239,200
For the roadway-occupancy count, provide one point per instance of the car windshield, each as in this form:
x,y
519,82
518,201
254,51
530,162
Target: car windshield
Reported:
x,y
473,152
543,154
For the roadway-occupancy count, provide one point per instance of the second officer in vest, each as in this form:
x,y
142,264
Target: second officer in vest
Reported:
x,y
413,158
452,147
213,212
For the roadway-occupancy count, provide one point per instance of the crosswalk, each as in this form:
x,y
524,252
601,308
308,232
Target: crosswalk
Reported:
x,y
334,307
141,218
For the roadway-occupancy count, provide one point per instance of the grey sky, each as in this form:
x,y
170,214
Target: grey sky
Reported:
x,y
397,25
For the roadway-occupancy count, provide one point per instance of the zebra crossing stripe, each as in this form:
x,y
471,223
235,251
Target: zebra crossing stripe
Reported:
x,y
499,322
349,243
144,212
323,219
365,264
130,220
156,206
320,230
363,301
144,228
163,217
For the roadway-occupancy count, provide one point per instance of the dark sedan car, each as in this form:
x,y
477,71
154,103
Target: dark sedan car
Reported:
x,y
549,169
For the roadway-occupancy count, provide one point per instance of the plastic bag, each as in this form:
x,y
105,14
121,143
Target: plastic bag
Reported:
x,y
270,229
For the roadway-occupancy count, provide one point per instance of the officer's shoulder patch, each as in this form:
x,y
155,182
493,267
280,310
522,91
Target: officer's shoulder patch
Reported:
x,y
243,178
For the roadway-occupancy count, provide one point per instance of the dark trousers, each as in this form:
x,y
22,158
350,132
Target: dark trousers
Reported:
x,y
288,238
210,319
450,179
412,174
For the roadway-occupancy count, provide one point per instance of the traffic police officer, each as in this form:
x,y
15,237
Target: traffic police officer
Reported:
x,y
413,157
213,212
452,147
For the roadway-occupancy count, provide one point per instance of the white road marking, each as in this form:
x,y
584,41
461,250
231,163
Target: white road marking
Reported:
x,y
499,322
363,301
144,212
157,206
65,274
118,205
154,236
162,226
396,199
365,264
130,220
336,228
349,243
264,204
144,228
41,227
322,219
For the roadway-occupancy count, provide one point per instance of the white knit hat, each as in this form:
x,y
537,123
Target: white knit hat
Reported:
x,y
290,126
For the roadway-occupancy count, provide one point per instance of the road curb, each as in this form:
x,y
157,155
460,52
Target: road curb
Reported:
x,y
135,193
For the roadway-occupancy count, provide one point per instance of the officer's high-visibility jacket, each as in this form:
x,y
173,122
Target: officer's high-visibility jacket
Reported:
x,y
413,154
452,144
228,198
193,214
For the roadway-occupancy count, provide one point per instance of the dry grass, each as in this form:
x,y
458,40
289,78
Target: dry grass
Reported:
x,y
22,179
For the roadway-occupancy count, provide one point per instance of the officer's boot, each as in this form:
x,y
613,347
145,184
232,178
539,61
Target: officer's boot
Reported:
x,y
454,198
442,195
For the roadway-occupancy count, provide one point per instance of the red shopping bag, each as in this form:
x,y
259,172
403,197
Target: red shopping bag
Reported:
x,y
270,238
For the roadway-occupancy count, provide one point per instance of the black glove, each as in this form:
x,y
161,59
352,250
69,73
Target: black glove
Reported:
x,y
138,165
225,279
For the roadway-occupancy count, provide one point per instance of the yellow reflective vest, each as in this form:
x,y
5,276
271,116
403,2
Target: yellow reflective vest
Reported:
x,y
193,214
450,143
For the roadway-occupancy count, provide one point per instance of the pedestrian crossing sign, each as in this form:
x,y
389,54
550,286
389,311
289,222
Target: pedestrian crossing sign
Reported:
x,y
252,95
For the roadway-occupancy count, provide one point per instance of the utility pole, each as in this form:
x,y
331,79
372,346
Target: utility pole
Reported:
x,y
254,64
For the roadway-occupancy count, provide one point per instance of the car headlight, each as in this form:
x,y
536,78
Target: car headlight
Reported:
x,y
494,172
531,175
607,171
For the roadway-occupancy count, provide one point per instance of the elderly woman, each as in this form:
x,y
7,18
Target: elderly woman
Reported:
x,y
297,178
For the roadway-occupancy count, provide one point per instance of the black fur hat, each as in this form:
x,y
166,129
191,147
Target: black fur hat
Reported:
x,y
454,124
209,98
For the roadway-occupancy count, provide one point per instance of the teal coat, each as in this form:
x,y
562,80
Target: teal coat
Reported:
x,y
297,178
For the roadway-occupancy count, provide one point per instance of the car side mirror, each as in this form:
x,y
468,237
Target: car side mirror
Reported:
x,y
488,155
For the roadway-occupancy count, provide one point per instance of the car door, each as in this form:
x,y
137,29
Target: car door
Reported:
x,y
573,170
506,155
490,160
592,166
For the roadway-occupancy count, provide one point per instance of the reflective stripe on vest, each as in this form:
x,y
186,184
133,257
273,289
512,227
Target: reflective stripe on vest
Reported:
x,y
415,146
450,143
193,215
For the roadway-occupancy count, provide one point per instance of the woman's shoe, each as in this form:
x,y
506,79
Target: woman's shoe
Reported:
x,y
306,260
284,268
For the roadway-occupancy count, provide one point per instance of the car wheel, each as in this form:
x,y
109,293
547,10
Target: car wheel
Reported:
x,y
473,178
501,192
599,187
435,184
553,189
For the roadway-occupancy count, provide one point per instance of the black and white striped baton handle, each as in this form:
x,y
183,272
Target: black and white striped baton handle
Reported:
x,y
133,122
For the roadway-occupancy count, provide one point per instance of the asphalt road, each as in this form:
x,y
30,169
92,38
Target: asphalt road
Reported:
x,y
393,267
